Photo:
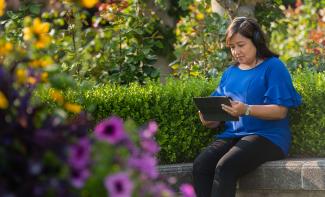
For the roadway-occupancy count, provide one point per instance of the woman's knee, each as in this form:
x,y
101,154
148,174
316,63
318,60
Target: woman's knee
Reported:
x,y
225,168
198,164
204,163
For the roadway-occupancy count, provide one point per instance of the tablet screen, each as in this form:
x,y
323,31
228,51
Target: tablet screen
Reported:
x,y
211,109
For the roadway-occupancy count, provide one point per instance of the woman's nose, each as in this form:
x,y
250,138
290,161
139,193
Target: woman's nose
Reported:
x,y
236,51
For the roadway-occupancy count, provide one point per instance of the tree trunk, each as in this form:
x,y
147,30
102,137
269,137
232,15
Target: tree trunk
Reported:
x,y
167,20
236,8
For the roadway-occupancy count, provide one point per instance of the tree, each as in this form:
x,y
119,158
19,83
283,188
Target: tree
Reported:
x,y
236,8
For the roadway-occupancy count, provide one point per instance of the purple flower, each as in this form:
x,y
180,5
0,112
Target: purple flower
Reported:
x,y
150,131
161,190
111,130
150,146
79,154
146,164
79,177
187,190
119,185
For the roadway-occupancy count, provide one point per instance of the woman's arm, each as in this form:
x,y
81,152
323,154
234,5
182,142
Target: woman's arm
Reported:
x,y
267,112
209,124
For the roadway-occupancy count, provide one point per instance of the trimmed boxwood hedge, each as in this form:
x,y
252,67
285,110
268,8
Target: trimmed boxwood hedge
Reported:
x,y
181,135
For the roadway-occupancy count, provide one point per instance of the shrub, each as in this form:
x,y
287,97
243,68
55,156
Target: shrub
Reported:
x,y
308,121
180,132
181,135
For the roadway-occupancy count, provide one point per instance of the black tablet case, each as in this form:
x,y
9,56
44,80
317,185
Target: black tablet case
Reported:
x,y
211,110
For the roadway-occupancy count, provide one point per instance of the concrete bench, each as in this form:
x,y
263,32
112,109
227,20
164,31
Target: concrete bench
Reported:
x,y
293,177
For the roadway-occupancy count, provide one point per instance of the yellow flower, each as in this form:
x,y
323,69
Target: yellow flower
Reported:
x,y
28,33
8,46
46,62
39,27
2,7
3,101
41,63
5,48
40,31
74,108
31,80
44,76
34,64
89,3
178,32
21,75
43,41
192,8
57,96
199,16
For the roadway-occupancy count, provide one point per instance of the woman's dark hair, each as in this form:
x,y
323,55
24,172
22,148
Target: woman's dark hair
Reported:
x,y
250,29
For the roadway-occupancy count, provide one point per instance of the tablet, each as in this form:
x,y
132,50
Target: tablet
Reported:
x,y
211,110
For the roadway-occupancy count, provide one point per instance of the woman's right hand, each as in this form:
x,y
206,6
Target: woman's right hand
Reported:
x,y
209,124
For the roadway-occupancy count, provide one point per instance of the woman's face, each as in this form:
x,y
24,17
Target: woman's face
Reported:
x,y
243,49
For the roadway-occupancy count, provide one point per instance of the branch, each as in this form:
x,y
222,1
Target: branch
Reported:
x,y
230,6
162,14
239,7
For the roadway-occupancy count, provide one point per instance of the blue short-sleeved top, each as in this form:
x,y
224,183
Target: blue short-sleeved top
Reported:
x,y
267,83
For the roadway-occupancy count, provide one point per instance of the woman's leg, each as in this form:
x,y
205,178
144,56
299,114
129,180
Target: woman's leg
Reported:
x,y
205,164
246,155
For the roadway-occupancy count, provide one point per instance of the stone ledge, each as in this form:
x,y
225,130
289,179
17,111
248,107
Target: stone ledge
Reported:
x,y
290,174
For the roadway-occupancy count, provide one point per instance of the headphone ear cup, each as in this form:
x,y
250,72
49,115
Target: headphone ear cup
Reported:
x,y
256,38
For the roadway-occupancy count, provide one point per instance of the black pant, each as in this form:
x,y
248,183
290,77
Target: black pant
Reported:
x,y
226,160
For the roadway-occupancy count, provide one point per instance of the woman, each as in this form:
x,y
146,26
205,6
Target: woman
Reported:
x,y
262,91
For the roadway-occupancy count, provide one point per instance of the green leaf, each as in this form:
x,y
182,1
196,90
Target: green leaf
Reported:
x,y
35,9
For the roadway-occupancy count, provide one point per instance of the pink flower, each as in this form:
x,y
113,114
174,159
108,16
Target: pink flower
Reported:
x,y
119,185
161,190
111,130
145,164
150,146
187,190
79,154
79,177
150,131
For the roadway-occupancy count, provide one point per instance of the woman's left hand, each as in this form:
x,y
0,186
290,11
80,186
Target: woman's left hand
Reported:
x,y
236,109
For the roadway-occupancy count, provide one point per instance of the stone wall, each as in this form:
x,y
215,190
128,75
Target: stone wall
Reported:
x,y
293,177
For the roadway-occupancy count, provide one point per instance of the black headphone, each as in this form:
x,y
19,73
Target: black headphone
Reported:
x,y
257,38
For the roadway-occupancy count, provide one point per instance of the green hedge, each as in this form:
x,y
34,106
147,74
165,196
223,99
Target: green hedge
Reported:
x,y
181,135
308,121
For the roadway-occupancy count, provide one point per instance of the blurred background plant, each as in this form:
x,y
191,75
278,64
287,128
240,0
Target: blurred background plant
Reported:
x,y
113,41
200,46
53,152
299,36
132,162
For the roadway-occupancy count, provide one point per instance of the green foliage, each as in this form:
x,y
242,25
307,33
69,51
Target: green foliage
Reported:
x,y
116,43
308,122
185,3
121,50
314,60
267,12
291,34
13,20
200,46
181,135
